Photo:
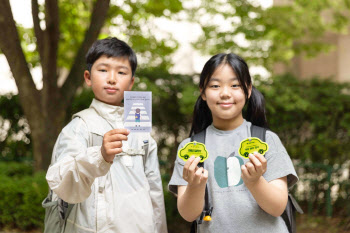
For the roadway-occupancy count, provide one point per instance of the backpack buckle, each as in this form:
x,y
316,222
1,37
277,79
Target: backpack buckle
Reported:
x,y
205,215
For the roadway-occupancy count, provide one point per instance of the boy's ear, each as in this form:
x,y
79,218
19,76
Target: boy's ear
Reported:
x,y
87,78
131,83
203,94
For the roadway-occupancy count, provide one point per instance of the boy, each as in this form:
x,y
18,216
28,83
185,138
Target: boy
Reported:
x,y
109,174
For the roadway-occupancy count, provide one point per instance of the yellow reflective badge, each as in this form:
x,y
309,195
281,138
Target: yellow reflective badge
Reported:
x,y
250,145
196,149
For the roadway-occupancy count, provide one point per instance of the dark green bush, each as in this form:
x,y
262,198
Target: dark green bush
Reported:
x,y
21,197
312,117
15,169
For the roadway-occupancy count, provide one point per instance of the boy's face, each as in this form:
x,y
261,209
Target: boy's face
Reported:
x,y
109,78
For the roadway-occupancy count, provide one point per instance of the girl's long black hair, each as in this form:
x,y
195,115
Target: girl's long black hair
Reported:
x,y
255,112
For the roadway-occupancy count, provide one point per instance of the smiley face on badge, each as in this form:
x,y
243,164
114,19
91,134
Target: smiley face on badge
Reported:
x,y
196,149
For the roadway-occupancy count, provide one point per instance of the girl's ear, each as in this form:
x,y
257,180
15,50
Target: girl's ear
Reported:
x,y
202,94
87,78
250,91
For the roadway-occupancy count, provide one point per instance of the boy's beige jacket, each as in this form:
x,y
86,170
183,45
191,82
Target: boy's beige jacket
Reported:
x,y
120,198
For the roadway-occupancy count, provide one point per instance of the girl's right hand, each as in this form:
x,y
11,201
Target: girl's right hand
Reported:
x,y
194,175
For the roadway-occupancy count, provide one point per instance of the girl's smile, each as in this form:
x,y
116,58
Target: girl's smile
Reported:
x,y
225,105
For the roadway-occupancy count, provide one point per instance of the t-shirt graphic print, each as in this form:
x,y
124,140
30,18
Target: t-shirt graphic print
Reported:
x,y
227,171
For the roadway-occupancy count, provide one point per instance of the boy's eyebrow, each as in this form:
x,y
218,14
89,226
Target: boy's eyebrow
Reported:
x,y
109,65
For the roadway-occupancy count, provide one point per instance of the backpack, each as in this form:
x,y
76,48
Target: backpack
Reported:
x,y
56,214
289,214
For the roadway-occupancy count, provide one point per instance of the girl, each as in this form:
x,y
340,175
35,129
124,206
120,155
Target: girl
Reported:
x,y
257,196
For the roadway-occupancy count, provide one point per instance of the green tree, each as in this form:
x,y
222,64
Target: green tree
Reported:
x,y
266,36
63,32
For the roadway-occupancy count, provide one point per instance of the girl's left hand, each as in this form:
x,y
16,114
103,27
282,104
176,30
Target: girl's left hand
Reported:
x,y
254,169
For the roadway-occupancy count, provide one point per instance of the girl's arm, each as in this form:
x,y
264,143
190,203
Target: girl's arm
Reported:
x,y
190,199
271,196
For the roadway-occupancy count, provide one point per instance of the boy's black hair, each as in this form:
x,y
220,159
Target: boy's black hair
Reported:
x,y
255,112
111,47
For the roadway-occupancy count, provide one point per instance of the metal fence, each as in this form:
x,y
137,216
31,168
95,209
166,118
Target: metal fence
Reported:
x,y
323,188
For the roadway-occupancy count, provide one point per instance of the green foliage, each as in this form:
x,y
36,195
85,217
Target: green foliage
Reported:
x,y
171,108
81,101
15,169
14,130
266,36
9,107
76,19
132,21
312,117
21,197
29,46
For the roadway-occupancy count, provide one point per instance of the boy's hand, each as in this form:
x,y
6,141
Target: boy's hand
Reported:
x,y
112,143
253,170
195,176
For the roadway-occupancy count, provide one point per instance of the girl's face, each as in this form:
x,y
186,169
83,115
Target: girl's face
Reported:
x,y
225,98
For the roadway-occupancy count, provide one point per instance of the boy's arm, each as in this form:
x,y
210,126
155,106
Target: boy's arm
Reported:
x,y
156,189
77,166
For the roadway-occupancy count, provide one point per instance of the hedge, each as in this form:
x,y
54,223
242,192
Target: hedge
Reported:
x,y
21,192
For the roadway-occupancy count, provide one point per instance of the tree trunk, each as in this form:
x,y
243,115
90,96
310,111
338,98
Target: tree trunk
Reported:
x,y
45,110
44,138
44,132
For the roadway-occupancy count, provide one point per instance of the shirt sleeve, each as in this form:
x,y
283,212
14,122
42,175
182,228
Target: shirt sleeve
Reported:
x,y
176,178
279,163
156,187
75,165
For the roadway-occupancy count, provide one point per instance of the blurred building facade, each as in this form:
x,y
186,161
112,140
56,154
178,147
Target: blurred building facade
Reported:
x,y
334,64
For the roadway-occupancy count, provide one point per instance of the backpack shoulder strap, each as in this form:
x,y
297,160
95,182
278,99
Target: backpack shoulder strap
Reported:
x,y
96,123
200,137
259,132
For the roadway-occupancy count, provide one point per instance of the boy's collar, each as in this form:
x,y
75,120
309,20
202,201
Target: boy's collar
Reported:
x,y
96,101
107,111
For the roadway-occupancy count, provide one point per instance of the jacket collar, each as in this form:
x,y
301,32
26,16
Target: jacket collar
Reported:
x,y
113,114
